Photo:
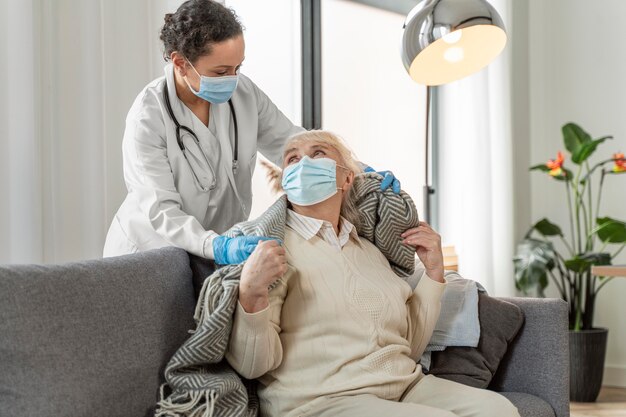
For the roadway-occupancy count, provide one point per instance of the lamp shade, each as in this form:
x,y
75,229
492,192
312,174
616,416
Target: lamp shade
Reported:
x,y
446,40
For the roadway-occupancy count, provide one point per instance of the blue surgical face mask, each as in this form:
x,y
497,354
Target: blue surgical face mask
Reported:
x,y
310,181
215,90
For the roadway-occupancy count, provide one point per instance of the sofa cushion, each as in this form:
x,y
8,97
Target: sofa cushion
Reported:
x,y
529,405
499,323
91,338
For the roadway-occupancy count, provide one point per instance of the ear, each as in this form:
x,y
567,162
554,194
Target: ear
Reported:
x,y
348,182
180,63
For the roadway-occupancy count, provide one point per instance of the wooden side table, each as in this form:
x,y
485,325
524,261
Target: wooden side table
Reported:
x,y
609,270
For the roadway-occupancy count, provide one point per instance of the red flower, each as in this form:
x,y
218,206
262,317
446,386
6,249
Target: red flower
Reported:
x,y
555,165
620,162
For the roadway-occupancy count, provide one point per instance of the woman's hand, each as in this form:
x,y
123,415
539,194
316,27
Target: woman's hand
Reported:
x,y
264,266
427,244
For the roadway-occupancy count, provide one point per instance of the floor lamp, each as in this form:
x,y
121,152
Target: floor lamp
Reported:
x,y
444,41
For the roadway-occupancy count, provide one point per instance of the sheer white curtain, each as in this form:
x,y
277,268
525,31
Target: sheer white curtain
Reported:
x,y
71,71
20,208
475,167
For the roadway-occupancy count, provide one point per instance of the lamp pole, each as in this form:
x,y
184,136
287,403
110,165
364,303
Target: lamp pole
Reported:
x,y
428,190
311,29
462,37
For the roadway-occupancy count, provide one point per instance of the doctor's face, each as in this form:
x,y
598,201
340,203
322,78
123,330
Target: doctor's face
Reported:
x,y
225,58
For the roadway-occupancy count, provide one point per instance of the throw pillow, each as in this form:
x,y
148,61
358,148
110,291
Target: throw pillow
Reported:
x,y
500,321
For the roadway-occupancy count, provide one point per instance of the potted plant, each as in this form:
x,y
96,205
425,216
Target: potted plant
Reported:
x,y
548,254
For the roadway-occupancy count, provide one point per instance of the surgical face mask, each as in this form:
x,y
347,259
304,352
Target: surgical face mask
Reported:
x,y
215,90
310,181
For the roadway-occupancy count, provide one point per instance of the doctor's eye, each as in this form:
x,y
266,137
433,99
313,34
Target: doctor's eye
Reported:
x,y
319,152
292,159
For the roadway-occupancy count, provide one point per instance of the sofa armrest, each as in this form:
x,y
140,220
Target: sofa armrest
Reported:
x,y
537,361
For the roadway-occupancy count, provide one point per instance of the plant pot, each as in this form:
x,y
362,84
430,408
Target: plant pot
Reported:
x,y
587,350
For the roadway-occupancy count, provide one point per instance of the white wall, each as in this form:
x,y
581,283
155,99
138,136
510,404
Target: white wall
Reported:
x,y
576,73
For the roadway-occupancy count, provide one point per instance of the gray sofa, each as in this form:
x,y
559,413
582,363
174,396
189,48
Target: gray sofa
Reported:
x,y
92,338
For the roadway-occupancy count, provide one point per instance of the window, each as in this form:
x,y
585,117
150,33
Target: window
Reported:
x,y
367,96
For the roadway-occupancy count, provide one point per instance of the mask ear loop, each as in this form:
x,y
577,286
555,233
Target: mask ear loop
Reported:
x,y
194,68
187,81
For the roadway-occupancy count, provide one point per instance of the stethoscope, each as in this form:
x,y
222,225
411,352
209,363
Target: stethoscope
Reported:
x,y
183,149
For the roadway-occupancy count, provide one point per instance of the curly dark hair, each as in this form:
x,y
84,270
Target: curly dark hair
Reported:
x,y
196,26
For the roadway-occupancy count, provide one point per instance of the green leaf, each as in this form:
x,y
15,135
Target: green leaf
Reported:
x,y
577,265
582,263
568,173
547,228
587,149
533,259
597,258
574,137
541,167
610,230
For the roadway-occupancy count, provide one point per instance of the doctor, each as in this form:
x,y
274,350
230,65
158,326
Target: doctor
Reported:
x,y
191,142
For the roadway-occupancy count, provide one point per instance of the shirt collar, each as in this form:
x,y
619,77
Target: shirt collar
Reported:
x,y
308,227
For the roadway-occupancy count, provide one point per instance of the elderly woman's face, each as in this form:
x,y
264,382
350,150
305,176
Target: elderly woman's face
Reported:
x,y
313,149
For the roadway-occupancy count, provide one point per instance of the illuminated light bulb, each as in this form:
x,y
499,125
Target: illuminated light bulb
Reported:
x,y
454,54
453,37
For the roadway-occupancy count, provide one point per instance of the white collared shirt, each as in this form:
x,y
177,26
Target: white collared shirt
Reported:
x,y
307,227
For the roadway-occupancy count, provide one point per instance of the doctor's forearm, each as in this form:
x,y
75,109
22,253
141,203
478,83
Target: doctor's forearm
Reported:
x,y
180,229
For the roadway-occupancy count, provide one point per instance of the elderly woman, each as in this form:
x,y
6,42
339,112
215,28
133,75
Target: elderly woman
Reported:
x,y
339,332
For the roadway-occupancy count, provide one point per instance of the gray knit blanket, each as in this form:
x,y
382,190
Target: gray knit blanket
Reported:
x,y
201,381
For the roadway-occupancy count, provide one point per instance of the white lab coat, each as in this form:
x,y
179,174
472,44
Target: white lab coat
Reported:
x,y
164,205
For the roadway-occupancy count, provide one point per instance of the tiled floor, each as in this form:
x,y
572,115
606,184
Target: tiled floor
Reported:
x,y
611,403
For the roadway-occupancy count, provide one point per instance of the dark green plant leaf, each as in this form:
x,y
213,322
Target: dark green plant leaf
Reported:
x,y
610,230
574,137
568,173
577,265
597,258
547,228
533,259
587,149
582,263
540,167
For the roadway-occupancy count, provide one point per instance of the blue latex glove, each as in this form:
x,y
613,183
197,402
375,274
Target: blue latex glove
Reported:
x,y
388,179
234,250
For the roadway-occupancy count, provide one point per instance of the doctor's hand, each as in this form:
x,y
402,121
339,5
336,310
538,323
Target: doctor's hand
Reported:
x,y
388,179
234,250
427,244
266,264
